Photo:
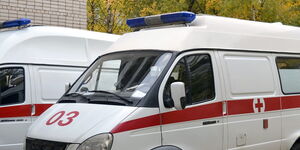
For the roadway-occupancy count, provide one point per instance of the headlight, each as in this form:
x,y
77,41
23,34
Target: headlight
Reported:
x,y
98,142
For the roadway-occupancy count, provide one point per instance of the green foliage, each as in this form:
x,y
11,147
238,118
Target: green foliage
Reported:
x,y
110,15
257,10
290,12
107,16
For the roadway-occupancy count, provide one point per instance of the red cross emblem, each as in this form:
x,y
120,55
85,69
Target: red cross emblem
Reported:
x,y
259,105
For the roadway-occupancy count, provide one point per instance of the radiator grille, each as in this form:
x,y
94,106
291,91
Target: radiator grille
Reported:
x,y
35,144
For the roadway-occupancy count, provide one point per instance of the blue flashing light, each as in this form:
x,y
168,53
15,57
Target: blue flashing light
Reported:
x,y
136,22
163,19
185,17
15,23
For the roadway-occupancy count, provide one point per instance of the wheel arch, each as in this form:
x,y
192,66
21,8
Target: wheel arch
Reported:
x,y
290,141
166,147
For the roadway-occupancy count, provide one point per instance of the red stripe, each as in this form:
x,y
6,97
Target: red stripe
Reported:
x,y
272,104
15,111
189,114
236,107
40,108
290,102
144,122
22,110
194,113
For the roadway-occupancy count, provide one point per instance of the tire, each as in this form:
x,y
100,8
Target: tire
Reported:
x,y
296,146
166,147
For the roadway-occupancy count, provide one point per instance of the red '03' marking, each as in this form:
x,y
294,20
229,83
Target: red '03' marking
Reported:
x,y
58,117
70,118
55,118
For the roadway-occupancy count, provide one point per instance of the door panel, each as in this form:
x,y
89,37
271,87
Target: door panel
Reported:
x,y
251,128
49,84
15,106
288,70
254,107
194,127
200,125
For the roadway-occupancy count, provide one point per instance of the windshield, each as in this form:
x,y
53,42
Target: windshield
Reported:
x,y
124,77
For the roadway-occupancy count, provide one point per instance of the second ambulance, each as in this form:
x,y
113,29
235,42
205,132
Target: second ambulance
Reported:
x,y
183,82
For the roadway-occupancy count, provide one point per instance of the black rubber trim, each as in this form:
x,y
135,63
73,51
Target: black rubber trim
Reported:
x,y
37,64
166,147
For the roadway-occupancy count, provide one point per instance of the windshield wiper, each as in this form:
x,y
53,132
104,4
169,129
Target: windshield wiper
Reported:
x,y
78,94
116,95
108,102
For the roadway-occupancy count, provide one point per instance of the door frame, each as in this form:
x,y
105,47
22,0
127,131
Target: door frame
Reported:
x,y
218,92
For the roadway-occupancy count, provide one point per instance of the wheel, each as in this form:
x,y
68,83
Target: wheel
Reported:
x,y
166,147
296,146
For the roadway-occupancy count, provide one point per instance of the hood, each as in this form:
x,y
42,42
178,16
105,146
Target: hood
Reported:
x,y
74,123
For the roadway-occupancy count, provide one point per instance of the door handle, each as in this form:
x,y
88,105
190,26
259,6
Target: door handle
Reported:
x,y
210,122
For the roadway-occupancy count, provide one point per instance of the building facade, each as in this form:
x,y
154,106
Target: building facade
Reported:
x,y
65,13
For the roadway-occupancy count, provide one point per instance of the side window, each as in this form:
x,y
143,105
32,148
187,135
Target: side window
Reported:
x,y
202,81
197,74
12,86
289,72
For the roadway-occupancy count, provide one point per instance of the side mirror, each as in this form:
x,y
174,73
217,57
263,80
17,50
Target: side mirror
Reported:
x,y
178,95
67,86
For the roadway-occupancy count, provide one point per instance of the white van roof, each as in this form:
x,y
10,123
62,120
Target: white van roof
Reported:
x,y
214,32
53,45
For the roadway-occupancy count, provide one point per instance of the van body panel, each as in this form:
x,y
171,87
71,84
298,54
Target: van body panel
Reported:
x,y
290,107
249,78
46,77
239,94
202,37
141,125
202,121
51,57
53,45
82,120
15,117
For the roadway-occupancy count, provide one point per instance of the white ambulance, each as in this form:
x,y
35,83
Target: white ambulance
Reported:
x,y
35,64
183,82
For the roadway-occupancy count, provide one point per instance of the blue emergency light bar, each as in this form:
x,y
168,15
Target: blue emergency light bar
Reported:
x,y
15,23
163,19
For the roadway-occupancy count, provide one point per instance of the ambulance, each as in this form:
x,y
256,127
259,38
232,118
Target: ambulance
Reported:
x,y
183,81
35,65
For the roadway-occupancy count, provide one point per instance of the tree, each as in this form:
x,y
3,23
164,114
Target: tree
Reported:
x,y
111,15
290,12
204,6
257,10
106,16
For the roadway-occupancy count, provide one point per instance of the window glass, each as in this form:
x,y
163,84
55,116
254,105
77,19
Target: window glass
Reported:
x,y
202,81
179,74
109,75
12,86
197,74
289,71
124,75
